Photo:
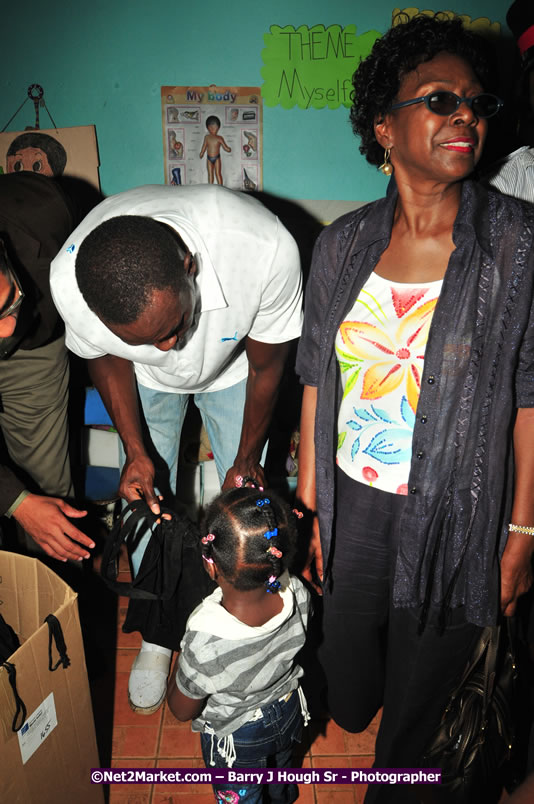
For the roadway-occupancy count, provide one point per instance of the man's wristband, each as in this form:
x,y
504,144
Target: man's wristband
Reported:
x,y
16,502
520,529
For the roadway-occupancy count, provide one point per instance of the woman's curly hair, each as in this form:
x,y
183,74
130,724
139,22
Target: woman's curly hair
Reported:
x,y
407,44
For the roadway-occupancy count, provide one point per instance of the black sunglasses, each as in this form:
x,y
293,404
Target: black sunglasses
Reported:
x,y
16,290
445,103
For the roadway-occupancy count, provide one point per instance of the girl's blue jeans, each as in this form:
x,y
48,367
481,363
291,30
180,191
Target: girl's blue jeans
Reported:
x,y
264,743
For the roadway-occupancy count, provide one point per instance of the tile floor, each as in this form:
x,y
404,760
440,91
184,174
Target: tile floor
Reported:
x,y
159,740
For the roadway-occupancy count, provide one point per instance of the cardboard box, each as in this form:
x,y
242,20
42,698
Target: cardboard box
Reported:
x,y
49,759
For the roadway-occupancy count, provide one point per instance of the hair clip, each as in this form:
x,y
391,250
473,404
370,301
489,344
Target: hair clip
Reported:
x,y
275,551
263,501
297,513
209,538
208,560
270,533
273,585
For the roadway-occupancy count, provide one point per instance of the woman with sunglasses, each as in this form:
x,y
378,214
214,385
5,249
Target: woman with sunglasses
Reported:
x,y
417,432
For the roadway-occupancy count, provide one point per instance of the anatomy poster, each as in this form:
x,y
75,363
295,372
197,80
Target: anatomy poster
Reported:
x,y
213,135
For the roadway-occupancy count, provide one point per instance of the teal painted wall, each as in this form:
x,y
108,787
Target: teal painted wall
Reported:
x,y
102,62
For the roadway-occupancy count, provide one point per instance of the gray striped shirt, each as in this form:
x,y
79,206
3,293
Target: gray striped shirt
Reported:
x,y
514,175
239,667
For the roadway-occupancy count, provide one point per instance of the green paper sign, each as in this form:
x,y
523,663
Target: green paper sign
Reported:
x,y
312,67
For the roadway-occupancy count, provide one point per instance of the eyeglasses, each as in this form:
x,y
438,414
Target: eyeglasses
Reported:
x,y
445,103
18,301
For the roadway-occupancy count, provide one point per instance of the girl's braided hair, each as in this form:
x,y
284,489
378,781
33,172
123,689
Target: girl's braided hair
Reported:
x,y
251,535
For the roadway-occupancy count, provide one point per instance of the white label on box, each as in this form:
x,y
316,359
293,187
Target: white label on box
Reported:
x,y
37,728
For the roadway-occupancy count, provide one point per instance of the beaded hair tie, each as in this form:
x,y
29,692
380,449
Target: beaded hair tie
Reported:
x,y
241,481
273,584
207,539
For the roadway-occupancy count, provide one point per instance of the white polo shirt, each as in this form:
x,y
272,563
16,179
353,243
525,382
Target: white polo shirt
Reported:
x,y
248,278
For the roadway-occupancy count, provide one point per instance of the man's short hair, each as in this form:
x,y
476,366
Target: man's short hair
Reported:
x,y
121,263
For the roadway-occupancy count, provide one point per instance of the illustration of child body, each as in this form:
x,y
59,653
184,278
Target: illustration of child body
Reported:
x,y
212,144
236,675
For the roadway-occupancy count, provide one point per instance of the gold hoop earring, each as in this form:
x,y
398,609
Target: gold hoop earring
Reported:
x,y
386,167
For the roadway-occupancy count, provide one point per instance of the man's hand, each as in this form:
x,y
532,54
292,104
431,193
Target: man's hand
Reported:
x,y
516,570
45,519
265,365
239,471
115,380
137,481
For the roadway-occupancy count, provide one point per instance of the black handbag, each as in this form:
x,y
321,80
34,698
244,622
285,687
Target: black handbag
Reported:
x,y
476,734
171,580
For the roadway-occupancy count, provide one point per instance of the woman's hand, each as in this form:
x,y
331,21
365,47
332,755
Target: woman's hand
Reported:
x,y
516,561
516,570
313,567
305,497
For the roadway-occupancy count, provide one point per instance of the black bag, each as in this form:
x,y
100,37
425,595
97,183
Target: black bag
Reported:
x,y
171,580
476,733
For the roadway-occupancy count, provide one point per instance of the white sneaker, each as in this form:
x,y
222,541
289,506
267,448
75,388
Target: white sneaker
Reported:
x,y
147,684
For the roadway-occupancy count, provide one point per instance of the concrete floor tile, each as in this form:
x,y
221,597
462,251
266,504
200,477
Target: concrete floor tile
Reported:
x,y
329,741
179,743
135,741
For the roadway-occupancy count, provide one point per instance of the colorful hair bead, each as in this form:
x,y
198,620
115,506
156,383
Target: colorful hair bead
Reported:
x,y
273,585
275,551
270,533
209,538
297,513
239,481
263,501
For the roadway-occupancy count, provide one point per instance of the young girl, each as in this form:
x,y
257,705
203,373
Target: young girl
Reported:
x,y
236,675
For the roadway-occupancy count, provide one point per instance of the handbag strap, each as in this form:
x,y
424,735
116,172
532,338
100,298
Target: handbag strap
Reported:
x,y
487,646
55,633
490,666
21,708
123,528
